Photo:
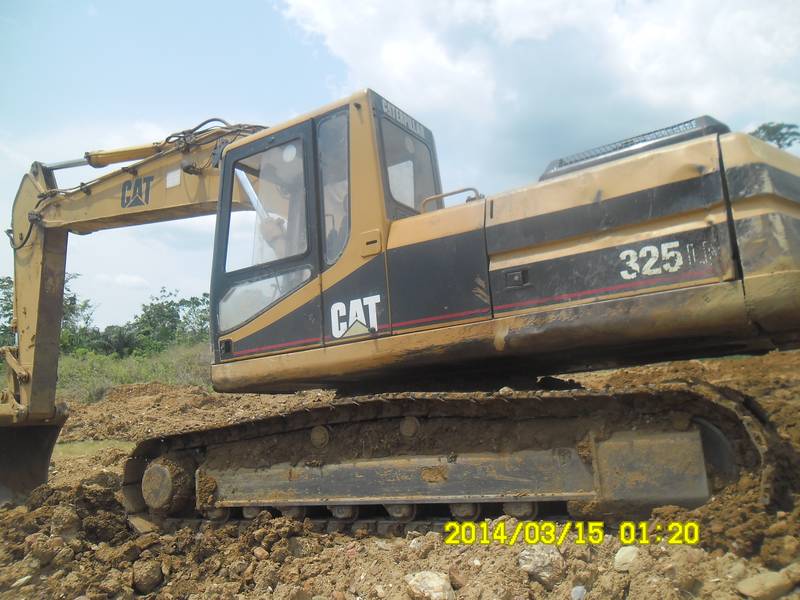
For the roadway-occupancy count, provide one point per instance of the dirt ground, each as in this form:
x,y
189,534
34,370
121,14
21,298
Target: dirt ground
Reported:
x,y
72,539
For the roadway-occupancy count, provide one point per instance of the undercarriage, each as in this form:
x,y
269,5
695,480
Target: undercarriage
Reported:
x,y
425,457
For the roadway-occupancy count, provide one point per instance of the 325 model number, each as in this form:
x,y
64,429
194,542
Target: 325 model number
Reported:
x,y
651,260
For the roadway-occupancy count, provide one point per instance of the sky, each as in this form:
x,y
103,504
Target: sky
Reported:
x,y
505,85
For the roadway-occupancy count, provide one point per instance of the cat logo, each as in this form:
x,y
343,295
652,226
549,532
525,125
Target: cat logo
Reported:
x,y
360,318
136,192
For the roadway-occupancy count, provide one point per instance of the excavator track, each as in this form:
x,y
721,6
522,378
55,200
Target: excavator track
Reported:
x,y
385,461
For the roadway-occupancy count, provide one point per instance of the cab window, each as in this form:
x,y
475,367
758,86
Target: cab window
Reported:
x,y
332,146
267,225
409,169
268,216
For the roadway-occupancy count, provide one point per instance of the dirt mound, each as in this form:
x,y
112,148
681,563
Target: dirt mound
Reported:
x,y
72,539
137,411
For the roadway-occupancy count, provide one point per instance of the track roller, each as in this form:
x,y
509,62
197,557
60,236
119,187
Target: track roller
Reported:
x,y
521,510
401,512
467,511
251,512
293,512
345,512
217,515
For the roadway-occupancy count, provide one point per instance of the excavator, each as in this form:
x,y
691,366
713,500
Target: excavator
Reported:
x,y
340,263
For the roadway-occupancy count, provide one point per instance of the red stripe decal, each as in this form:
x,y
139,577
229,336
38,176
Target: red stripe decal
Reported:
x,y
277,346
445,317
611,288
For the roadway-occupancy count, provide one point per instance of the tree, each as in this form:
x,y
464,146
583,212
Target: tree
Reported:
x,y
159,322
77,315
6,310
783,135
76,321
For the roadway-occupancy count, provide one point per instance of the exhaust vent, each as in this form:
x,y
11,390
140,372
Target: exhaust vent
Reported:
x,y
680,132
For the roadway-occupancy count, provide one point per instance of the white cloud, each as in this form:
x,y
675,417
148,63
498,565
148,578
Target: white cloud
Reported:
x,y
708,53
394,47
730,55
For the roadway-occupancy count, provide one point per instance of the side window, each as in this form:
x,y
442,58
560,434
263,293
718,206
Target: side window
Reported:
x,y
268,216
267,224
332,144
409,166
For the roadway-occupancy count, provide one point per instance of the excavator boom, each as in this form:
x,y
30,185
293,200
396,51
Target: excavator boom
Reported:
x,y
174,179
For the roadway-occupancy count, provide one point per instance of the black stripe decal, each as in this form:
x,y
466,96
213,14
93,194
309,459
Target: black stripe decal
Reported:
x,y
301,327
750,180
601,215
665,260
439,280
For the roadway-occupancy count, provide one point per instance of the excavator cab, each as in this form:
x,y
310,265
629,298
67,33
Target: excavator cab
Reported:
x,y
300,255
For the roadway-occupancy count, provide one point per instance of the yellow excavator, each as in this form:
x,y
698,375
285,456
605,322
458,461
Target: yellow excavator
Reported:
x,y
339,262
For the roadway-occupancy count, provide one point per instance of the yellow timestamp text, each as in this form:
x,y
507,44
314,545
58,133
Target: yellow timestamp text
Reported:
x,y
557,533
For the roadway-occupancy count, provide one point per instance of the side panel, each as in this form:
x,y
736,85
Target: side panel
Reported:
x,y
438,269
651,222
764,187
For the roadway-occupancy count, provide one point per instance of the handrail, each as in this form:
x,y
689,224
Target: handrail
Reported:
x,y
424,203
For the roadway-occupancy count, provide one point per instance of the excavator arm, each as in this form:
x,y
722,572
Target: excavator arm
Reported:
x,y
173,179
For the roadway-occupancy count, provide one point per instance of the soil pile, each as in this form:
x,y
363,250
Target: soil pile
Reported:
x,y
72,539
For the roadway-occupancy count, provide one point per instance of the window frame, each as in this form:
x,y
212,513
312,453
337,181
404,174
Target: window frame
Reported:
x,y
325,264
229,190
221,279
396,210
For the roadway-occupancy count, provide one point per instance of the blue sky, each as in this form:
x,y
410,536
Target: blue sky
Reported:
x,y
506,85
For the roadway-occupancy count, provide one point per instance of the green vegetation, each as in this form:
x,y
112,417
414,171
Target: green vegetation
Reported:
x,y
167,342
86,375
783,135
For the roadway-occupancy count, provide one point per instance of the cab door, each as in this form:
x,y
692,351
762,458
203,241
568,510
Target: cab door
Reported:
x,y
265,293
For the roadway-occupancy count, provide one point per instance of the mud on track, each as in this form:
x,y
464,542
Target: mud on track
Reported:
x,y
73,540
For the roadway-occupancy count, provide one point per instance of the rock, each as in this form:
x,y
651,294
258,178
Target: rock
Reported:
x,y
624,558
737,570
429,585
792,573
577,593
379,592
43,548
457,578
382,545
765,586
113,583
147,540
505,391
65,522
21,581
63,556
141,525
543,563
147,575
260,553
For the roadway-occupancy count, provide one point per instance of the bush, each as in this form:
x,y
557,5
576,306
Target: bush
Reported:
x,y
85,375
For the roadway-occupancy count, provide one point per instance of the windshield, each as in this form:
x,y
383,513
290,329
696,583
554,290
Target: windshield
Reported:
x,y
269,191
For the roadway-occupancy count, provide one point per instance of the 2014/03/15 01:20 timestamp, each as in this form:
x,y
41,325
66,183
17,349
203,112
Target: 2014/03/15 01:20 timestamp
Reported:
x,y
584,532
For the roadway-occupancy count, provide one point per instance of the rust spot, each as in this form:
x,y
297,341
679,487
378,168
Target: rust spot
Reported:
x,y
434,474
